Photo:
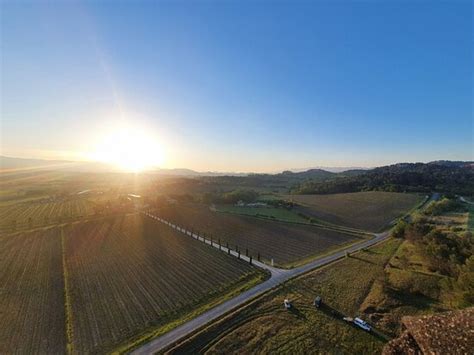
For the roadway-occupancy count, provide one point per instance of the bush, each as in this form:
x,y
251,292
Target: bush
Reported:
x,y
436,208
399,230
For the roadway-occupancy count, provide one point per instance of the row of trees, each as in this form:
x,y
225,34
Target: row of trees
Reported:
x,y
231,197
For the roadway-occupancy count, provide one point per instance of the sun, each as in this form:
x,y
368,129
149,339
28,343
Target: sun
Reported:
x,y
130,149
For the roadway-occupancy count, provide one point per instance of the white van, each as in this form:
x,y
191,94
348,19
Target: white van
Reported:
x,y
362,324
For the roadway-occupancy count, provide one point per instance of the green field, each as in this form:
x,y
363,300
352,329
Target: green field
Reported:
x,y
371,211
266,327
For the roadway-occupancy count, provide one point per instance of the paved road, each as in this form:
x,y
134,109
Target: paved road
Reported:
x,y
466,201
277,277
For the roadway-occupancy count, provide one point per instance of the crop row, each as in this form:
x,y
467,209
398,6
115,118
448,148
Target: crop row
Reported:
x,y
283,242
42,213
131,274
125,276
31,296
370,210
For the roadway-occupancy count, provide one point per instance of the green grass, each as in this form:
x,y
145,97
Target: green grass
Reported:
x,y
264,326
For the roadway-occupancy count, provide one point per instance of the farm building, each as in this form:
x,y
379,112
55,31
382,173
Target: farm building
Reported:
x,y
442,333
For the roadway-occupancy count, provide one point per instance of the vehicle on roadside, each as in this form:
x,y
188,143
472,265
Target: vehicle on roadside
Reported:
x,y
362,324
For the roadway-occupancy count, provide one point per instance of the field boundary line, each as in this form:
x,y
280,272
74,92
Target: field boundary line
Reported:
x,y
67,299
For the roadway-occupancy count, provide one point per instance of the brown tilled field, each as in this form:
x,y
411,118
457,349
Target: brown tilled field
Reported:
x,y
32,317
102,284
33,214
369,211
131,275
284,242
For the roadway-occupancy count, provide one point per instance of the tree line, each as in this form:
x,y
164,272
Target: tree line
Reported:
x,y
417,177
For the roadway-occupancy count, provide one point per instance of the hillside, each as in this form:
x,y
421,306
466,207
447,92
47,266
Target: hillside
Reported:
x,y
441,176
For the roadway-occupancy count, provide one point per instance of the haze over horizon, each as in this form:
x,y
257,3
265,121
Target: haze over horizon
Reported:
x,y
259,88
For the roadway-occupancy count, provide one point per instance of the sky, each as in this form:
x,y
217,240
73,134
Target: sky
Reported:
x,y
240,85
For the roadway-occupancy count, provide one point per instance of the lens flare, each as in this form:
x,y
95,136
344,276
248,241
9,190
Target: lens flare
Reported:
x,y
129,149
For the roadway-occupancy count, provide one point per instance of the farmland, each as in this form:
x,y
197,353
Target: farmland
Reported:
x,y
131,277
105,283
369,211
32,316
264,326
42,212
280,214
285,243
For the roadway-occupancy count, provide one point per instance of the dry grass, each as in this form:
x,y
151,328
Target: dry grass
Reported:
x,y
410,289
265,327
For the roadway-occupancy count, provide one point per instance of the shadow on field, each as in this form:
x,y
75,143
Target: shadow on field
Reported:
x,y
362,259
296,312
335,314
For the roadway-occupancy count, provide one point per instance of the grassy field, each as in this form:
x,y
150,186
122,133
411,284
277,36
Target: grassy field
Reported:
x,y
369,211
408,288
411,285
265,326
286,244
131,276
32,317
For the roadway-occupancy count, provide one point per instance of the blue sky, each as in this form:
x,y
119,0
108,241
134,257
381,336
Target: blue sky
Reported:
x,y
241,85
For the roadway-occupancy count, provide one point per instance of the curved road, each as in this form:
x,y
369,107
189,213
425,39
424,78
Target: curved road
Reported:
x,y
278,276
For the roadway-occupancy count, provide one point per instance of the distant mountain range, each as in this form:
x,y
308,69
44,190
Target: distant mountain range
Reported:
x,y
332,169
319,173
7,163
20,163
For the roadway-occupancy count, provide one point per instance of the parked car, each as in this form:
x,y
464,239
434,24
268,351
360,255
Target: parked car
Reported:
x,y
362,324
287,304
